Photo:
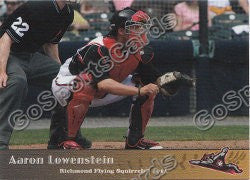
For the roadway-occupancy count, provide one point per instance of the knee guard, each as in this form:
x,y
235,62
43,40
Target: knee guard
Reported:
x,y
77,109
140,113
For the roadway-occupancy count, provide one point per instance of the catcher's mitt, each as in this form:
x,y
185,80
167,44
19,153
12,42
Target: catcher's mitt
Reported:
x,y
171,82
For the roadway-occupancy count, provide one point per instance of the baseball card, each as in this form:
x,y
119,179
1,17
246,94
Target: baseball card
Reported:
x,y
124,89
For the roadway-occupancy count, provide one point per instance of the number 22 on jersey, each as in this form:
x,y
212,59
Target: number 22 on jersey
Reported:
x,y
20,27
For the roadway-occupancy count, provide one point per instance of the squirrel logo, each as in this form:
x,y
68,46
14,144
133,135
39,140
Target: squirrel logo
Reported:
x,y
217,162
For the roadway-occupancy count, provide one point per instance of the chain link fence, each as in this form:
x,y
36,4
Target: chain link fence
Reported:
x,y
227,19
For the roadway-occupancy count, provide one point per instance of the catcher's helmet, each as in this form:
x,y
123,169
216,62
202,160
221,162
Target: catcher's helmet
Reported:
x,y
126,18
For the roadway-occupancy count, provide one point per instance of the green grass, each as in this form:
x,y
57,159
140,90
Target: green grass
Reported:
x,y
155,133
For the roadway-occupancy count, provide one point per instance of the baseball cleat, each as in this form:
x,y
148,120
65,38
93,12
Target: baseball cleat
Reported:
x,y
69,144
81,140
143,144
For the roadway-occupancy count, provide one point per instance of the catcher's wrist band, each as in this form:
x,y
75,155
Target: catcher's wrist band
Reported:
x,y
139,91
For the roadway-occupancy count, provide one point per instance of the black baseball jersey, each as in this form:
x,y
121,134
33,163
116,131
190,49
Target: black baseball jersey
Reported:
x,y
93,59
36,23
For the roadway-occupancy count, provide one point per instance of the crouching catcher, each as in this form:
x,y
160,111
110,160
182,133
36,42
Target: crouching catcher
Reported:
x,y
101,72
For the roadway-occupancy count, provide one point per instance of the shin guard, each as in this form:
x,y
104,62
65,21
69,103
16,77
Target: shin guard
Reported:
x,y
77,109
141,111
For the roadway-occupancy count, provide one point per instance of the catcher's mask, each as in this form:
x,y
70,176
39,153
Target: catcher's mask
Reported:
x,y
133,21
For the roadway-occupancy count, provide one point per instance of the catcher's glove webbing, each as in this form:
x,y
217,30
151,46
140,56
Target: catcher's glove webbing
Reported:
x,y
171,82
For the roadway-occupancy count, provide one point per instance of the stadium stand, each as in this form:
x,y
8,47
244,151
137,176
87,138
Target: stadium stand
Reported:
x,y
179,50
223,26
225,68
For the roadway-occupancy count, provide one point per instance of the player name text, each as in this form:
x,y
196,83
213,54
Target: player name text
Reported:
x,y
53,160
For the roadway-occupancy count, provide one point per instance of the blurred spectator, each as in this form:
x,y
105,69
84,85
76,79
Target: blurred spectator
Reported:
x,y
2,11
154,8
87,7
2,8
79,23
245,5
93,6
121,4
218,7
187,15
11,6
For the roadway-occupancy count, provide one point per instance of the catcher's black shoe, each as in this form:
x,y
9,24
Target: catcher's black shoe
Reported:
x,y
58,130
143,144
82,141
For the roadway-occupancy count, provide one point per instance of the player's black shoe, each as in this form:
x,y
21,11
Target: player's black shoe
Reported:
x,y
82,141
58,131
142,144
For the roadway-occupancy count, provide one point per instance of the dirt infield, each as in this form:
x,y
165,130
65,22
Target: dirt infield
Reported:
x,y
233,144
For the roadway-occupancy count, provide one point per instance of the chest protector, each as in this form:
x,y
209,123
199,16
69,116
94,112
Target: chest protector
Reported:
x,y
125,62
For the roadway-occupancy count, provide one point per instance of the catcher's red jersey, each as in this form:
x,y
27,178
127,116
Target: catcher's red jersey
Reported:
x,y
122,66
104,58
